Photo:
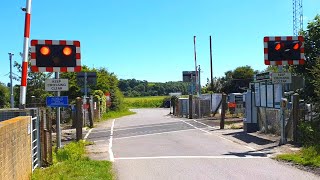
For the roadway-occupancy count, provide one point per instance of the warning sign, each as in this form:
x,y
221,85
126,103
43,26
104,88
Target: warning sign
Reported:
x,y
56,85
281,78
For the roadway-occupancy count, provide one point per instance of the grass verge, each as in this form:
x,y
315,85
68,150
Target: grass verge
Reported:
x,y
308,156
144,102
115,114
70,162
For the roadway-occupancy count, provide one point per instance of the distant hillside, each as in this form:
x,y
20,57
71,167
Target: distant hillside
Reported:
x,y
136,88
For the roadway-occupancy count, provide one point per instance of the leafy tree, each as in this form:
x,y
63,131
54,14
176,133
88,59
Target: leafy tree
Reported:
x,y
36,93
237,79
135,88
4,96
312,52
309,131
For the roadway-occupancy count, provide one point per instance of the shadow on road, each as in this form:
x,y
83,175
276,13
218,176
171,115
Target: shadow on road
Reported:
x,y
248,153
248,138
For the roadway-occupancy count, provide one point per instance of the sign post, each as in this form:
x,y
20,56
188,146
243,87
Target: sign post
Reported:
x,y
279,51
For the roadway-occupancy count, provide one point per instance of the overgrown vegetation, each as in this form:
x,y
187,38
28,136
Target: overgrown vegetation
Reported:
x,y
146,102
4,96
308,156
70,162
309,132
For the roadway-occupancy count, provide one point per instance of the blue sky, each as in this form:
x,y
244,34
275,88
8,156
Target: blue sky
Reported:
x,y
153,40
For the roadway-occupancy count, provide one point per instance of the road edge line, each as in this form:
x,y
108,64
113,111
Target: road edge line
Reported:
x,y
88,133
195,127
111,156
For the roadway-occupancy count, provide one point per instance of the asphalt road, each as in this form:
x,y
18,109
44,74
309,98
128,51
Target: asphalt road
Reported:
x,y
153,145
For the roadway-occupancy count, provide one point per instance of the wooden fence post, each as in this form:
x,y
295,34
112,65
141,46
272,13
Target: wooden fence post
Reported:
x,y
78,119
190,106
223,110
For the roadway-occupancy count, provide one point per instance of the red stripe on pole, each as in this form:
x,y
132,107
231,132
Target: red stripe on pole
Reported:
x,y
289,38
266,39
48,42
290,62
27,25
24,74
265,50
78,56
34,69
301,50
278,62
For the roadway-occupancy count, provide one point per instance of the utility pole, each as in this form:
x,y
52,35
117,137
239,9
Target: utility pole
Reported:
x,y
195,63
199,82
211,73
11,86
281,114
58,131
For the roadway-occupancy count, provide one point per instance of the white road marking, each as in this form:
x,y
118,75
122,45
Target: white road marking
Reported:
x,y
204,124
86,136
111,156
195,127
251,148
143,126
193,157
168,132
100,140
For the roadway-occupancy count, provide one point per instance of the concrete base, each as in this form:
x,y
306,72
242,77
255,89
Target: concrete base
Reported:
x,y
250,127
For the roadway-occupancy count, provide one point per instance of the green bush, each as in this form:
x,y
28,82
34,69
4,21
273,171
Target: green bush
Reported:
x,y
73,151
309,133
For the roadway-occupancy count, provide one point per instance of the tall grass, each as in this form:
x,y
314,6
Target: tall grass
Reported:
x,y
308,156
71,162
145,102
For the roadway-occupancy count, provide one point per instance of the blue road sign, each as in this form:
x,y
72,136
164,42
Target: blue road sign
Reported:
x,y
57,101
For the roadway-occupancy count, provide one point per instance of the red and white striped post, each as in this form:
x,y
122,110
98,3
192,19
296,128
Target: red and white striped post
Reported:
x,y
24,74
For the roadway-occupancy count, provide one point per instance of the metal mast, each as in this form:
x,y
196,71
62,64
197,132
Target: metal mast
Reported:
x,y
297,17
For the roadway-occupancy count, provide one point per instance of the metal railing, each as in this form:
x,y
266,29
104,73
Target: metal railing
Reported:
x,y
35,143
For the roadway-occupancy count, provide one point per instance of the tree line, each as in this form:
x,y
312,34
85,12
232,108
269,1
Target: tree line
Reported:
x,y
137,88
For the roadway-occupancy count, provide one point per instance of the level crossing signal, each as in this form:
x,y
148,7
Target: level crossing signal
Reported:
x,y
285,50
55,56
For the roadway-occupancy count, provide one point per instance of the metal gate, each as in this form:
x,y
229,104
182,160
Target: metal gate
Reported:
x,y
35,142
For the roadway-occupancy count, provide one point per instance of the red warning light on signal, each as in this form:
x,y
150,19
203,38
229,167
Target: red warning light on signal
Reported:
x,y
296,46
67,51
45,50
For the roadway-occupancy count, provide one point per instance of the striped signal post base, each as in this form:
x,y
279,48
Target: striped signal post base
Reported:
x,y
23,87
